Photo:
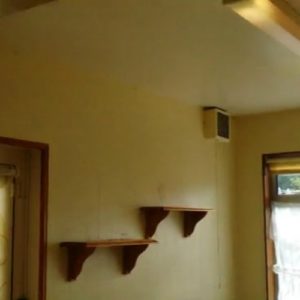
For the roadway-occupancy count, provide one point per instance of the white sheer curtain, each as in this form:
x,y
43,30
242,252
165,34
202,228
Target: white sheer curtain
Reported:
x,y
286,235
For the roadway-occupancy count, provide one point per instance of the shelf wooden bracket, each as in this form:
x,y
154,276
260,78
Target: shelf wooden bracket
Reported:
x,y
130,256
77,255
155,214
78,252
190,220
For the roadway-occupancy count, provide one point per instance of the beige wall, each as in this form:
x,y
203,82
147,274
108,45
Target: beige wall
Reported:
x,y
255,135
113,149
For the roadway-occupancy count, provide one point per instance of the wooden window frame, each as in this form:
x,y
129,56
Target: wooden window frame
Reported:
x,y
43,214
267,200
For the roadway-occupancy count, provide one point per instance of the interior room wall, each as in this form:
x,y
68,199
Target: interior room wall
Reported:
x,y
114,148
256,135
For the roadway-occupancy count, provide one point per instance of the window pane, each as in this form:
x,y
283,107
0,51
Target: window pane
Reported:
x,y
288,184
285,232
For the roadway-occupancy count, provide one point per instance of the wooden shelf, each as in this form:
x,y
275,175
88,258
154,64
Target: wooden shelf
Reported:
x,y
155,214
78,252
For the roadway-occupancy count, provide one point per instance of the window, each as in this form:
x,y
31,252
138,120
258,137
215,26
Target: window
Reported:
x,y
285,234
282,223
288,184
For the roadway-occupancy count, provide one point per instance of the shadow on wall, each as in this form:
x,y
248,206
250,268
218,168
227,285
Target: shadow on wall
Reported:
x,y
8,7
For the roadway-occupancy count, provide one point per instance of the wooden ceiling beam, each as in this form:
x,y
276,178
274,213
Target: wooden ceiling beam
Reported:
x,y
275,17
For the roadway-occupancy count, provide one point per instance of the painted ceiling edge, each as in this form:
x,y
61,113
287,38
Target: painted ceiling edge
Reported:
x,y
275,17
13,6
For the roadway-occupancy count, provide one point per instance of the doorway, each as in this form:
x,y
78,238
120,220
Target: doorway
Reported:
x,y
23,219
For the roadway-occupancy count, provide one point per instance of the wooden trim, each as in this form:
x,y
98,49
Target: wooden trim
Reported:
x,y
43,222
271,278
281,155
269,245
13,240
44,148
23,143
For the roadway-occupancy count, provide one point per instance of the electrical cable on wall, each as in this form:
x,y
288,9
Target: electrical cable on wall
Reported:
x,y
216,143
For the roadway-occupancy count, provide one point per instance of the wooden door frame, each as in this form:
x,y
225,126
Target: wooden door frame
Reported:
x,y
269,244
43,214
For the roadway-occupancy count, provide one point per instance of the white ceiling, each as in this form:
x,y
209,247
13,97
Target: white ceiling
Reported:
x,y
196,51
